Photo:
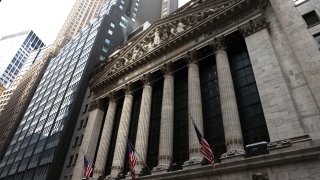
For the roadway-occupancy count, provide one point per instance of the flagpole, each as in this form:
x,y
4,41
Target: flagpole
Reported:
x,y
137,153
87,157
100,172
194,124
191,118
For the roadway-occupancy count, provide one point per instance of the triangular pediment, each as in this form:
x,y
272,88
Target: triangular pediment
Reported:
x,y
162,32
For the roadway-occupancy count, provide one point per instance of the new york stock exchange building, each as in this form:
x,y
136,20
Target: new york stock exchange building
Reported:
x,y
247,72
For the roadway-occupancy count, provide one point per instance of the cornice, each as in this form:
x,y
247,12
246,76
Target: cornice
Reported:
x,y
254,26
97,104
218,43
190,57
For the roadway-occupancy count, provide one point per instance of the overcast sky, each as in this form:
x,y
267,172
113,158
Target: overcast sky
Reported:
x,y
44,17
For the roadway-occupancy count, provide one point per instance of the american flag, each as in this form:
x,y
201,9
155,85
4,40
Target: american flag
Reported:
x,y
205,147
132,160
88,168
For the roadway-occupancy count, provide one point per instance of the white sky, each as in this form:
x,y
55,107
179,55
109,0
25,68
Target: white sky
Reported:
x,y
182,2
44,17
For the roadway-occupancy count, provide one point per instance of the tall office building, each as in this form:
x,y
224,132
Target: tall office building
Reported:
x,y
246,72
34,56
16,98
14,50
80,15
39,145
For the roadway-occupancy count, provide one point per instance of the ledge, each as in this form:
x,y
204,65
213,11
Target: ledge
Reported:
x,y
240,165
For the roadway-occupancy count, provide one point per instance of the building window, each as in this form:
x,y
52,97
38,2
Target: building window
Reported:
x,y
81,138
107,41
85,109
110,32
104,49
122,25
101,58
317,37
85,123
124,19
311,18
298,2
70,161
75,160
75,142
112,25
81,123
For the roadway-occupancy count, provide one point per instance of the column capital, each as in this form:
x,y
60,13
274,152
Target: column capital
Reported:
x,y
146,79
253,26
112,96
128,89
218,43
190,57
167,68
97,104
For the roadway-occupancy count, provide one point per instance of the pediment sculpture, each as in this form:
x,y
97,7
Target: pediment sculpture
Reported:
x,y
161,33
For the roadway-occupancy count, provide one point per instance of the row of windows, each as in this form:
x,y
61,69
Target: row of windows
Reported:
x,y
312,19
72,160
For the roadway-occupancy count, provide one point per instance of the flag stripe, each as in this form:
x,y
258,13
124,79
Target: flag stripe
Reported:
x,y
132,160
205,147
88,168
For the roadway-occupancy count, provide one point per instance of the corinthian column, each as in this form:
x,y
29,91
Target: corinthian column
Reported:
x,y
194,109
121,143
105,138
144,122
229,108
166,125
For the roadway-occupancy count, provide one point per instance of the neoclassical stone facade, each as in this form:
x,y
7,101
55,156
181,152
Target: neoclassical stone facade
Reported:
x,y
246,72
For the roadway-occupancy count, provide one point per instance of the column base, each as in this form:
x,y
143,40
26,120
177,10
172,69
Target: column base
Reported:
x,y
236,154
160,169
116,176
192,163
128,176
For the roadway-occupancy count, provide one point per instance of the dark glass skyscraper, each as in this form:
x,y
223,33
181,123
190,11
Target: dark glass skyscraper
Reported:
x,y
14,50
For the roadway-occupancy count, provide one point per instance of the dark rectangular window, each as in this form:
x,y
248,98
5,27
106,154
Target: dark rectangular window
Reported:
x,y
85,123
154,130
81,138
75,142
211,106
75,160
253,124
70,161
311,18
180,136
85,109
81,124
